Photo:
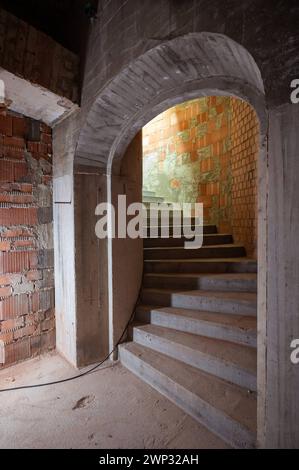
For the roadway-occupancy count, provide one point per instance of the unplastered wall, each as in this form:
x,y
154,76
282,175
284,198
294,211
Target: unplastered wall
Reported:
x,y
36,57
205,150
244,155
27,320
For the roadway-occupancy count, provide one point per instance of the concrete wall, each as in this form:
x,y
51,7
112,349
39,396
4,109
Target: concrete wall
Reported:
x,y
127,253
27,317
91,283
127,29
143,59
282,377
65,136
86,330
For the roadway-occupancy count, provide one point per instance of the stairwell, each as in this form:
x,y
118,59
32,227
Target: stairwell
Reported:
x,y
194,337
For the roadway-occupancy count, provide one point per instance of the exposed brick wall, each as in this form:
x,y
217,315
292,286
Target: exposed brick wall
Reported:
x,y
205,150
33,55
244,153
27,320
186,151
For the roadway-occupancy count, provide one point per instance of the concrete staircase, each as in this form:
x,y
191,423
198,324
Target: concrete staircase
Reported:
x,y
194,339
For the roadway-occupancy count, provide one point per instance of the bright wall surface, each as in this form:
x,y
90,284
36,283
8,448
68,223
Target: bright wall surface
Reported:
x,y
205,151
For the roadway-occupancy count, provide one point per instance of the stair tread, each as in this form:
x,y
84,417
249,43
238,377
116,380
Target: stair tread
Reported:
x,y
242,259
238,355
208,235
245,323
170,225
240,322
232,400
246,296
228,276
204,247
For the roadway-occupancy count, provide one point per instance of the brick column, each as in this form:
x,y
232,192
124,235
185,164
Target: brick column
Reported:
x,y
27,320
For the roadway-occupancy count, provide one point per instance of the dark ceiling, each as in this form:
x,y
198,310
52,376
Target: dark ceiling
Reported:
x,y
65,21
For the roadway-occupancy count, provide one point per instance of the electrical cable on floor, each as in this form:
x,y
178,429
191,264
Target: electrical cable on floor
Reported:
x,y
69,379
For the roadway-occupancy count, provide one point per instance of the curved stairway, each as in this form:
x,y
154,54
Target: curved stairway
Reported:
x,y
194,339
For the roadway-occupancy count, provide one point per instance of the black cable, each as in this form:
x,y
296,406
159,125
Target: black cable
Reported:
x,y
56,382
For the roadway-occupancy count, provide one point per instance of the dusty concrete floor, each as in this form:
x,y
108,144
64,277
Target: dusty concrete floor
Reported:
x,y
110,408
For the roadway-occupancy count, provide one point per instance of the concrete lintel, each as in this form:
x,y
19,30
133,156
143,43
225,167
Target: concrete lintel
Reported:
x,y
34,101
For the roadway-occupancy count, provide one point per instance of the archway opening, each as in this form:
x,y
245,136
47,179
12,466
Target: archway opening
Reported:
x,y
182,73
206,150
197,308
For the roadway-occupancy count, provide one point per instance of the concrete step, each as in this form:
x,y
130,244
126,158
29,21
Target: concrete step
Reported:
x,y
225,408
154,199
238,329
237,303
216,251
131,327
208,239
207,229
220,265
148,205
229,361
146,192
169,218
240,282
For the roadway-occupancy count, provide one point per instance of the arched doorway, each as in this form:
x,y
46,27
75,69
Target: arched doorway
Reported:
x,y
182,69
203,150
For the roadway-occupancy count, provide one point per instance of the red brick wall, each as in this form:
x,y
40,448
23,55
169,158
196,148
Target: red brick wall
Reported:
x,y
244,153
206,150
27,322
186,152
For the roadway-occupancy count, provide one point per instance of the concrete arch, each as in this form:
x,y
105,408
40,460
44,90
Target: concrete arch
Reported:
x,y
189,66
94,138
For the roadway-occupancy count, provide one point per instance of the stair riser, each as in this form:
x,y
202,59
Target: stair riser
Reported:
x,y
228,429
203,252
207,240
221,305
156,298
142,315
196,359
229,285
200,267
198,327
190,283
